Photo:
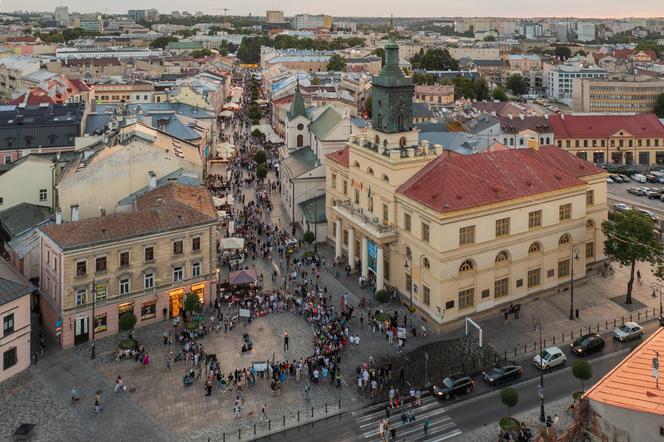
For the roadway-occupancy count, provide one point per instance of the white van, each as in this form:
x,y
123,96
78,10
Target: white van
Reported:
x,y
639,178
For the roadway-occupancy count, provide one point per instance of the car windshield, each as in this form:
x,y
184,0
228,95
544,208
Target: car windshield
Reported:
x,y
449,383
625,328
545,355
498,370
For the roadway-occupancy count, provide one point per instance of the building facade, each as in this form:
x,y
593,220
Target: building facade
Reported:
x,y
560,78
93,271
15,297
616,95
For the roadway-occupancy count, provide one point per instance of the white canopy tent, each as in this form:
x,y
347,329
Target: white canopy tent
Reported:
x,y
232,243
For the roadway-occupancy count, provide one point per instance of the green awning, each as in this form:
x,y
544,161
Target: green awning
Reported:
x,y
314,210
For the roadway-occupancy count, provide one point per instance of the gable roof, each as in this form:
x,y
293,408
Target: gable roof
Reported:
x,y
630,385
22,217
341,156
300,161
421,110
463,182
313,209
11,290
604,126
325,123
517,124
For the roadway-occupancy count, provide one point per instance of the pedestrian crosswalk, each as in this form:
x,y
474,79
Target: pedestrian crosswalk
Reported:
x,y
441,427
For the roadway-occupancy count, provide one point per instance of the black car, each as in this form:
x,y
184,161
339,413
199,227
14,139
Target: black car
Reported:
x,y
454,385
587,344
502,372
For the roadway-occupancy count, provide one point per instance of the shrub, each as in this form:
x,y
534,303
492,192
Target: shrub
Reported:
x,y
261,172
309,237
260,157
582,370
128,344
382,317
192,302
127,321
509,397
509,424
577,394
191,325
382,296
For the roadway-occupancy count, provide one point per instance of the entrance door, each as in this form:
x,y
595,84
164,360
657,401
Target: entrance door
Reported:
x,y
175,302
81,331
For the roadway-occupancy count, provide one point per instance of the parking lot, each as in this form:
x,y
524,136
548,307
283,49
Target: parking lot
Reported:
x,y
618,194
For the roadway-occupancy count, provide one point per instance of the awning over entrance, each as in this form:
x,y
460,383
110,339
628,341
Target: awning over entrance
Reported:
x,y
314,210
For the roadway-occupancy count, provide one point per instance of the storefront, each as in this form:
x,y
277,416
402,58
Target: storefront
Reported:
x,y
199,290
125,308
175,302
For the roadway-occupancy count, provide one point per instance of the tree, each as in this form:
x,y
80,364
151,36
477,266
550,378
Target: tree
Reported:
x,y
192,302
127,321
309,237
315,81
582,370
517,84
200,53
659,106
336,63
257,134
489,38
631,237
509,397
368,107
499,94
250,49
435,60
162,42
562,52
260,157
261,172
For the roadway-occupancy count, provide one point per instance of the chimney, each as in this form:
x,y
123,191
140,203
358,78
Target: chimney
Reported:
x,y
74,212
522,116
533,144
546,116
152,181
562,116
58,216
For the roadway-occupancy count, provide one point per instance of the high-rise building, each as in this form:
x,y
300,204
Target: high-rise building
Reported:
x,y
61,14
617,94
585,31
306,21
274,17
559,79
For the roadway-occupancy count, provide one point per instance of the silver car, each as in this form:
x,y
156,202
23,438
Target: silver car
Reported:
x,y
628,331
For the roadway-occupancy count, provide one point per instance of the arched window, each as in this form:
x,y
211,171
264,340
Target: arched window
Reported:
x,y
386,178
505,141
300,140
425,262
503,256
407,252
590,224
548,140
370,171
535,247
356,164
466,266
384,143
563,240
402,142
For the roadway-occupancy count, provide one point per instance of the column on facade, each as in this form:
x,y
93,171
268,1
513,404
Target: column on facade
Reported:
x,y
365,257
380,270
338,239
351,248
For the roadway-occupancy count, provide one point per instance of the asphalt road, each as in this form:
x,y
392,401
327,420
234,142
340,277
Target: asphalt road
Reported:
x,y
482,407
618,193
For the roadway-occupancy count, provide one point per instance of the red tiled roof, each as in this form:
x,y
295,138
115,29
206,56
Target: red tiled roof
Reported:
x,y
457,183
161,210
34,97
631,385
340,156
80,85
604,126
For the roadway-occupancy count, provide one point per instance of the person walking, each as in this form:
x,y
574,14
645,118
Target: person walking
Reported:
x,y
285,341
426,426
97,402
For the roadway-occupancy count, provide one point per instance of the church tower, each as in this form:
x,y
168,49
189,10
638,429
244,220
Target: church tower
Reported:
x,y
392,95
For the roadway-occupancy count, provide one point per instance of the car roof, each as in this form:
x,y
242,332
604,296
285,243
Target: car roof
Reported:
x,y
590,335
632,324
553,350
457,376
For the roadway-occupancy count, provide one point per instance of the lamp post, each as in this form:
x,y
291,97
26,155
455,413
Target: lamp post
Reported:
x,y
540,392
657,288
94,298
575,255
406,265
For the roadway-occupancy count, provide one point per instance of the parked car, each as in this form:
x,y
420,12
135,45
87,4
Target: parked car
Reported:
x,y
616,178
502,372
628,331
652,178
650,215
291,242
610,181
621,207
639,178
633,190
454,385
653,194
550,358
625,178
587,344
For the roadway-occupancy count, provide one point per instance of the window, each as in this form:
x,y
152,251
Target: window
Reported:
x,y
124,259
149,254
100,264
406,222
563,268
178,247
534,277
534,219
124,286
196,269
10,143
149,310
466,266
590,249
80,296
370,203
196,244
425,262
386,215
590,197
178,273
148,281
565,212
100,292
345,187
81,268
501,288
43,195
356,194
101,323
502,257
564,239
425,232
9,358
466,298
426,295
334,180
8,325
449,305
534,248
300,126
502,227
466,235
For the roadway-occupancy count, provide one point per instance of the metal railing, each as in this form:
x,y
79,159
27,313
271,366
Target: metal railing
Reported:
x,y
355,212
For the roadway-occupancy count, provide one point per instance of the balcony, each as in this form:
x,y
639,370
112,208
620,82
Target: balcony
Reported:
x,y
370,225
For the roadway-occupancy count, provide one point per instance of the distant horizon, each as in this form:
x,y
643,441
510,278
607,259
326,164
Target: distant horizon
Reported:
x,y
432,9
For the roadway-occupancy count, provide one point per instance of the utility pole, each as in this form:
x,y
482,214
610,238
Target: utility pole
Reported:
x,y
575,255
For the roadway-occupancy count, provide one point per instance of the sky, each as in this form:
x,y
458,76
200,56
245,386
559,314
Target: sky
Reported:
x,y
411,8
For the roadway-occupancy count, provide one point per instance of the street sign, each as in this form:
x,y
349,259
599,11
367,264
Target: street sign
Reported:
x,y
426,356
540,391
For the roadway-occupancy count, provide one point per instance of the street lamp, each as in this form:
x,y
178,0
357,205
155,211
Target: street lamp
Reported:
x,y
575,255
540,392
657,288
93,353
